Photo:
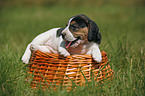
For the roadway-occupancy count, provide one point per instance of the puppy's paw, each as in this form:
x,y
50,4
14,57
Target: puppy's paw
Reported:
x,y
26,58
63,52
97,57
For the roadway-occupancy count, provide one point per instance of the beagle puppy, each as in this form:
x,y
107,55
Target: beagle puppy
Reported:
x,y
80,36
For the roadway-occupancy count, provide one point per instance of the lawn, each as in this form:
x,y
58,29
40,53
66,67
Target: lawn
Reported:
x,y
123,38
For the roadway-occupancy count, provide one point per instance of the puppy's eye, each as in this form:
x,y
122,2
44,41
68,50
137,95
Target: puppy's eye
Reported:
x,y
74,26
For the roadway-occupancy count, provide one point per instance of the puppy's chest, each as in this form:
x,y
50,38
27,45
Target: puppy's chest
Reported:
x,y
81,49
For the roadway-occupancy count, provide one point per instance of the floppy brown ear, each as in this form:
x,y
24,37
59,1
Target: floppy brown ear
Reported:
x,y
59,31
94,33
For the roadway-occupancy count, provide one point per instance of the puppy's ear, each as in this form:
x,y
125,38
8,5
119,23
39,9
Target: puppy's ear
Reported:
x,y
94,33
59,31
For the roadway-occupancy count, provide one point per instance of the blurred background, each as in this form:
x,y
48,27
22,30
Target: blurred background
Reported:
x,y
70,2
118,21
116,18
122,26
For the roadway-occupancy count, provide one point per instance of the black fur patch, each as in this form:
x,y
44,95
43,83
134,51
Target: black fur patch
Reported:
x,y
94,33
93,30
80,21
59,31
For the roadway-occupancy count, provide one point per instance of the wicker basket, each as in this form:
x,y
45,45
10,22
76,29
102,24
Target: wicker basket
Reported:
x,y
51,70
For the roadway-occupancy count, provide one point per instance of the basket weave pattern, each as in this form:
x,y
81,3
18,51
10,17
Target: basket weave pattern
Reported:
x,y
52,69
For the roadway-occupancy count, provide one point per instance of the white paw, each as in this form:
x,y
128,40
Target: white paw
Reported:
x,y
26,58
63,52
97,57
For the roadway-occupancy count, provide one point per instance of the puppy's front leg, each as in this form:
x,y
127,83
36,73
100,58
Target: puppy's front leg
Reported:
x,y
95,52
27,54
62,50
41,48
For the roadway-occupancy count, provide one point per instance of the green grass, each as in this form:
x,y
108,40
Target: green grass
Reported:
x,y
123,38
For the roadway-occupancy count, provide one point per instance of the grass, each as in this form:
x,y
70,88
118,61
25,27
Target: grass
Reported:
x,y
123,38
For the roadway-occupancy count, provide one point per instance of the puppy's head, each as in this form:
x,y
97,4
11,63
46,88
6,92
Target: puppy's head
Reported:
x,y
79,29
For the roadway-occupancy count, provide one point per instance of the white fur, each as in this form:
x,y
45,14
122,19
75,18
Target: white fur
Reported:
x,y
45,42
48,42
68,35
95,52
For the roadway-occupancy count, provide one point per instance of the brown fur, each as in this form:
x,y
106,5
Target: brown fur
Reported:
x,y
73,22
82,32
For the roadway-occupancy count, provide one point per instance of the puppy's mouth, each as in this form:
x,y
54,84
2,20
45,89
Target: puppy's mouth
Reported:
x,y
69,43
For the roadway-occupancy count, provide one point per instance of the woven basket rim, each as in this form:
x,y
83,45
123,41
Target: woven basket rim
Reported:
x,y
55,69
